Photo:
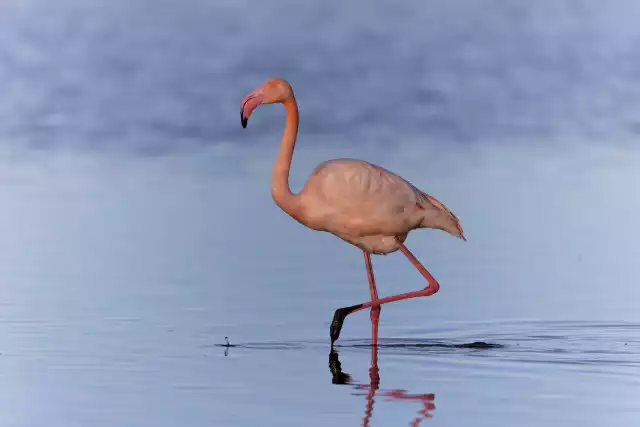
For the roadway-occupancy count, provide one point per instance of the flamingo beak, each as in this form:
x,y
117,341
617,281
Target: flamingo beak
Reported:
x,y
249,103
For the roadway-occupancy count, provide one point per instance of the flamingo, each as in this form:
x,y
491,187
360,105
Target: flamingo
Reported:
x,y
361,203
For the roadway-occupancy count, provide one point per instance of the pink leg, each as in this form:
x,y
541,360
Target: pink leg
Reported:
x,y
432,288
375,310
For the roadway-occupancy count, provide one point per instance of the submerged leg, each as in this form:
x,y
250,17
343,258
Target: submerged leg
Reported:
x,y
432,287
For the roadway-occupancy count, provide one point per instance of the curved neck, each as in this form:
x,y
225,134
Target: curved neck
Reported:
x,y
280,189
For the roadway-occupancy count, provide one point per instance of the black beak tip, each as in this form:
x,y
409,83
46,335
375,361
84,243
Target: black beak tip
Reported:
x,y
243,120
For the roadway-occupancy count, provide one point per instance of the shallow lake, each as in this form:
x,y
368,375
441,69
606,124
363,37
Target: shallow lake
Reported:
x,y
138,229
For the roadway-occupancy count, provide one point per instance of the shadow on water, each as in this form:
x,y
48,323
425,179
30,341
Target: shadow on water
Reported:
x,y
338,376
611,346
397,343
553,342
609,349
372,389
426,345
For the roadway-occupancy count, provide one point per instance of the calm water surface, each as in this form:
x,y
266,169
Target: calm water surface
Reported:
x,y
138,230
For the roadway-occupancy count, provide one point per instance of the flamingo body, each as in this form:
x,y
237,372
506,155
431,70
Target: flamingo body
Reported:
x,y
363,204
369,206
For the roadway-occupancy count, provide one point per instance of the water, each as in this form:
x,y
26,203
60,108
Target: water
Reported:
x,y
138,230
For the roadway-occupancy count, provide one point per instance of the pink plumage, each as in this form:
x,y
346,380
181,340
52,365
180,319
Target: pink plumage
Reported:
x,y
364,204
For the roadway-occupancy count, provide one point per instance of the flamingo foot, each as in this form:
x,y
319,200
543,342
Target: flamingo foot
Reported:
x,y
338,320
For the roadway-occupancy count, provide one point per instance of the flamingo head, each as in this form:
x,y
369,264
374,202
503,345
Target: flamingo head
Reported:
x,y
272,91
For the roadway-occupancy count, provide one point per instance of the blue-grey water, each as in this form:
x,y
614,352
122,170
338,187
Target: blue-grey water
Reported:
x,y
137,229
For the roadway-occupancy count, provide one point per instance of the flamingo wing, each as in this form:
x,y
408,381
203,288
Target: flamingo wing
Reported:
x,y
362,198
359,198
449,223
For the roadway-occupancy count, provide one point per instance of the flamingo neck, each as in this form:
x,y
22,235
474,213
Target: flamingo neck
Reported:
x,y
280,190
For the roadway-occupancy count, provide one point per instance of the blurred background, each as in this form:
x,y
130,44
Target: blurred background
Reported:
x,y
138,228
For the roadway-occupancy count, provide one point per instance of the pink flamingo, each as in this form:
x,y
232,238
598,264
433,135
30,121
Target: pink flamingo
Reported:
x,y
359,202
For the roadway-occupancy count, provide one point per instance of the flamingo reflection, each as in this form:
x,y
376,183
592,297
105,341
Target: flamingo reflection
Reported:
x,y
373,389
